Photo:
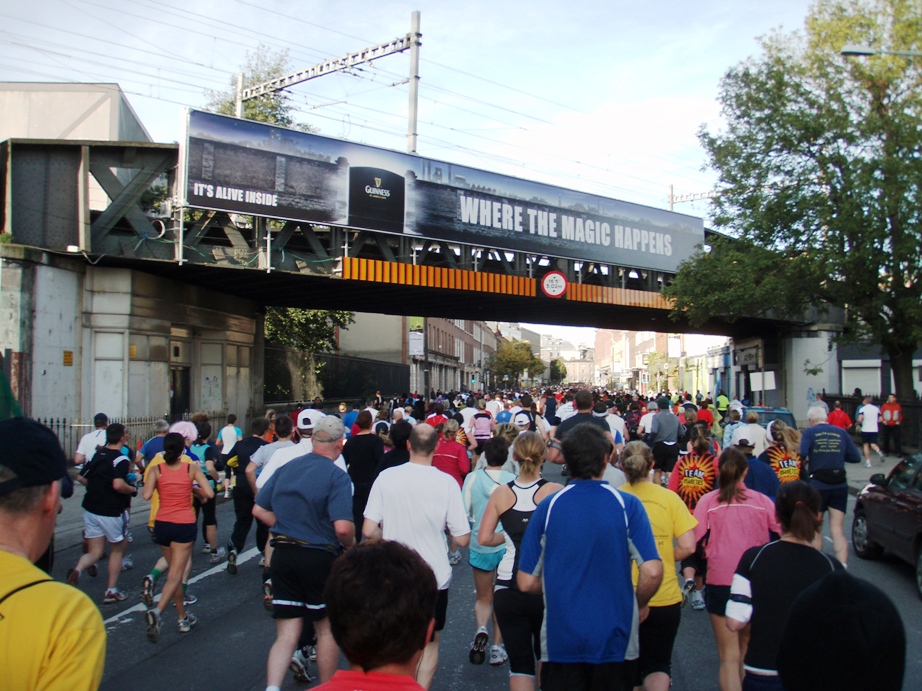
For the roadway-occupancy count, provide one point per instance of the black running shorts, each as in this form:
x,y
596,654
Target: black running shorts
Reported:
x,y
299,575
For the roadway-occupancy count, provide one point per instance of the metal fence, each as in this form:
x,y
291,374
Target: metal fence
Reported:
x,y
911,427
139,429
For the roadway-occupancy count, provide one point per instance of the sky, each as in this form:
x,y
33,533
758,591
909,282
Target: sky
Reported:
x,y
601,96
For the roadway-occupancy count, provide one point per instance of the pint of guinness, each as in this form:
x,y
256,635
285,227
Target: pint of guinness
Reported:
x,y
376,199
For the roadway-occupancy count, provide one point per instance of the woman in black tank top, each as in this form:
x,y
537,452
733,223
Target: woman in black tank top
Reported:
x,y
519,614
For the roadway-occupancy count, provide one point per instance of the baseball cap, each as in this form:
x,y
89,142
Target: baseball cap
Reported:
x,y
308,418
329,427
664,403
521,419
32,451
100,419
745,444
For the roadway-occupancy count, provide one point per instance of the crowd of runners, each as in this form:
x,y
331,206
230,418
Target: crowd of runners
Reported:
x,y
669,501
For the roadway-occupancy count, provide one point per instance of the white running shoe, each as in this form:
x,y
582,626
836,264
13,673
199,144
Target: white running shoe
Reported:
x,y
498,655
697,600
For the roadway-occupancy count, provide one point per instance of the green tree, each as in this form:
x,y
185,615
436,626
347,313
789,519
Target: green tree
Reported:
x,y
558,371
301,329
820,182
514,358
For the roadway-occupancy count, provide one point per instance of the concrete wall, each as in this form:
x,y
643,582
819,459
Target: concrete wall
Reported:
x,y
96,112
78,339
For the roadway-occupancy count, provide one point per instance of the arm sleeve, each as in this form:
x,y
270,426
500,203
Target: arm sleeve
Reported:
x,y
739,606
340,502
121,469
701,513
682,521
76,657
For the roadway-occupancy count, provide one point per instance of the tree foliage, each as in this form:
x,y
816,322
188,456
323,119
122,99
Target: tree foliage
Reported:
x,y
514,358
261,65
558,370
301,329
819,181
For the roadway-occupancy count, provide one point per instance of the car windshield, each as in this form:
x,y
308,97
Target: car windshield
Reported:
x,y
902,474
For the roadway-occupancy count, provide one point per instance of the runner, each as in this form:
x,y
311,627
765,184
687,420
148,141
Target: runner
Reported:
x,y
673,528
207,458
783,452
733,519
509,510
413,503
478,487
176,483
108,496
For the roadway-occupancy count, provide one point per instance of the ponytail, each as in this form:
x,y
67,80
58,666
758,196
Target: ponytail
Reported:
x,y
173,446
733,467
637,460
797,506
529,450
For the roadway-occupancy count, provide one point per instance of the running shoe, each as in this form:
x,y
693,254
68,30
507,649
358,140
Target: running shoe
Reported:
x,y
129,537
498,655
114,595
92,570
189,599
73,577
479,646
311,652
206,549
267,595
454,558
153,625
232,561
127,563
147,590
697,600
262,561
218,555
185,625
687,590
867,463
299,665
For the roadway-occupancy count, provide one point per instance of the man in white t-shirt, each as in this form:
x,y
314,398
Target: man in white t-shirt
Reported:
x,y
91,442
494,405
615,421
646,422
413,503
868,421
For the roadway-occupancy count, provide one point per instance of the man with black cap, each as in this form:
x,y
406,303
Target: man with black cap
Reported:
x,y
51,635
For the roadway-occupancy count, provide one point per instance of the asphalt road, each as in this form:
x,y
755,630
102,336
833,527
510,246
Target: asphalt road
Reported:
x,y
229,646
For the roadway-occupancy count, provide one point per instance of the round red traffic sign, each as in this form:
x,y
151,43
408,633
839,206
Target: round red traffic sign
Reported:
x,y
554,284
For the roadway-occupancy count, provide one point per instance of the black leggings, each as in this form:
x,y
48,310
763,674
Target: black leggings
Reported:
x,y
243,508
519,616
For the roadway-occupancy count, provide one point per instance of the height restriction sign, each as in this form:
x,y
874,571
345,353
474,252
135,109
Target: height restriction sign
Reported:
x,y
554,284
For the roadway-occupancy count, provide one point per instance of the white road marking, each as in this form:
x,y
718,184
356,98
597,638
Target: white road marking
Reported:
x,y
121,617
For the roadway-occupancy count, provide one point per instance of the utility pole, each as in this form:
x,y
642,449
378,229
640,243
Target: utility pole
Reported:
x,y
409,42
414,81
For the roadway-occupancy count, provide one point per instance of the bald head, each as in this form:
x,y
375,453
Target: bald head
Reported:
x,y
423,441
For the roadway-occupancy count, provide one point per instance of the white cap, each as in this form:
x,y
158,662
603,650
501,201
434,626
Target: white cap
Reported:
x,y
308,418
521,419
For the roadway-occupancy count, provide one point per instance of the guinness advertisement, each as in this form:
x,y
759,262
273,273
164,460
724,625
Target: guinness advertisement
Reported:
x,y
249,167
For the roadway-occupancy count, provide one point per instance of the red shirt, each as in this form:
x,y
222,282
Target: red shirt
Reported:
x,y
892,414
451,457
435,420
360,681
839,418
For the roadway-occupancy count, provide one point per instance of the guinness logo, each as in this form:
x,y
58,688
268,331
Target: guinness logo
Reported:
x,y
377,182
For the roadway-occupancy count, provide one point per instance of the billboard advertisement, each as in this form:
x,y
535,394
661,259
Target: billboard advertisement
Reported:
x,y
249,167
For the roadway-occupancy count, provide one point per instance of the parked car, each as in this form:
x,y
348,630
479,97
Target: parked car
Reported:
x,y
888,516
767,414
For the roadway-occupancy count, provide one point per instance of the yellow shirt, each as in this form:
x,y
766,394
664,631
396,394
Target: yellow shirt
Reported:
x,y
51,635
669,518
155,498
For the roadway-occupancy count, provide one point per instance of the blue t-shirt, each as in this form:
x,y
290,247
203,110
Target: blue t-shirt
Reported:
x,y
586,534
349,420
827,447
306,495
761,478
151,448
504,416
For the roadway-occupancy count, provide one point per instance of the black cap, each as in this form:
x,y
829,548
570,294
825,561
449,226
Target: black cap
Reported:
x,y
100,419
664,403
32,451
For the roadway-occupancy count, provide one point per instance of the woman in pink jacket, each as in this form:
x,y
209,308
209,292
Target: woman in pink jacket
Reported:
x,y
731,519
